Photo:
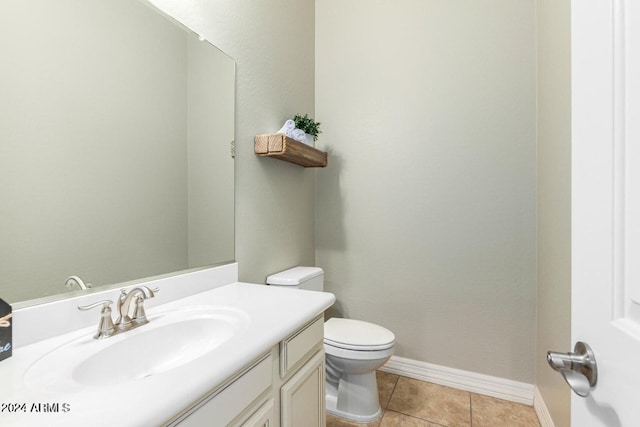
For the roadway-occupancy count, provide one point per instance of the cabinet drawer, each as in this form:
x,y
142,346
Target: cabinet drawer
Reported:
x,y
224,404
294,348
263,417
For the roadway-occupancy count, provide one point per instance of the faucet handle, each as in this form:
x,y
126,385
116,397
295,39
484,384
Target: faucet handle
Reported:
x,y
105,304
139,316
105,325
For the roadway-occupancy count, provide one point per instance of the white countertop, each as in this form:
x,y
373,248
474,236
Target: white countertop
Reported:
x,y
274,313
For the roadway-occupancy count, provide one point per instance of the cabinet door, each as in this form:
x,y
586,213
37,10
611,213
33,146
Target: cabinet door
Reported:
x,y
302,397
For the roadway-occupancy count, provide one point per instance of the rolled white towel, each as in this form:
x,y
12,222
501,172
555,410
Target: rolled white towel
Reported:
x,y
288,132
288,127
298,135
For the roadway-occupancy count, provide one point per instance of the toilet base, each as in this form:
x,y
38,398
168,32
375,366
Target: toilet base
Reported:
x,y
355,398
331,409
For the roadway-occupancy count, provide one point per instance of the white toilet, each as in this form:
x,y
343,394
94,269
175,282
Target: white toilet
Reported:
x,y
354,350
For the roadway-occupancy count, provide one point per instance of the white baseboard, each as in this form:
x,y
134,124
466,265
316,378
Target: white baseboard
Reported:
x,y
541,410
500,388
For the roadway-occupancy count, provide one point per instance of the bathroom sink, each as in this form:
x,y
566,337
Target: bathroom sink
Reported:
x,y
170,340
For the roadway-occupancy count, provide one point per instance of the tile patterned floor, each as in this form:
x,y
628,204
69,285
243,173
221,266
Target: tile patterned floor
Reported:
x,y
412,403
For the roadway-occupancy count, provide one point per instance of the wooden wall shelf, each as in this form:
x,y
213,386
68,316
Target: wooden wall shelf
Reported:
x,y
281,147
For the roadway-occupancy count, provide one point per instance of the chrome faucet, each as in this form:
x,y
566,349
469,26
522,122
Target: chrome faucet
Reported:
x,y
124,322
140,294
76,281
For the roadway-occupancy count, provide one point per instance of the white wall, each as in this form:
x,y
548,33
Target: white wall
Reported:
x,y
554,201
272,42
426,212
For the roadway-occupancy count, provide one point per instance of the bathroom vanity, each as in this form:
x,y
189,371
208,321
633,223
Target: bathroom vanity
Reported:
x,y
214,353
291,374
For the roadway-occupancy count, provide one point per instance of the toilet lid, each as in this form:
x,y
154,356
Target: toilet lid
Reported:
x,y
356,334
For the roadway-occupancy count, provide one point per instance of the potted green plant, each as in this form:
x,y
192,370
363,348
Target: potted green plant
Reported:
x,y
310,127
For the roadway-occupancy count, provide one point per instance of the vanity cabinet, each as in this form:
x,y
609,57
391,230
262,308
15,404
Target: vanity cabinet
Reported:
x,y
282,387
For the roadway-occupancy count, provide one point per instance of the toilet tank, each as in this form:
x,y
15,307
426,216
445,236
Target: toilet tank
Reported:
x,y
310,278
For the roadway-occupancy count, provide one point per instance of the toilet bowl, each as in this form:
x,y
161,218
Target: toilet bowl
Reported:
x,y
354,349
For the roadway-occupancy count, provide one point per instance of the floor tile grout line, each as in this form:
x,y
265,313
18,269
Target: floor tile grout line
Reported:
x,y
414,416
394,388
417,418
395,384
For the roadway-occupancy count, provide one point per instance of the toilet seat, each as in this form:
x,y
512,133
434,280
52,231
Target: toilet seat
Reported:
x,y
358,347
350,354
356,335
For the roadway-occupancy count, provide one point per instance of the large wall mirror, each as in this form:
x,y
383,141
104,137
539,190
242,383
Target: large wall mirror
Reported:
x,y
115,131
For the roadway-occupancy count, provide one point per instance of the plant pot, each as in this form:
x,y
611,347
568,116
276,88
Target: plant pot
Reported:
x,y
309,140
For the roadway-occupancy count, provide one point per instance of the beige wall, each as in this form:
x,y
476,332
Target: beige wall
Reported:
x,y
426,213
211,169
272,42
554,200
